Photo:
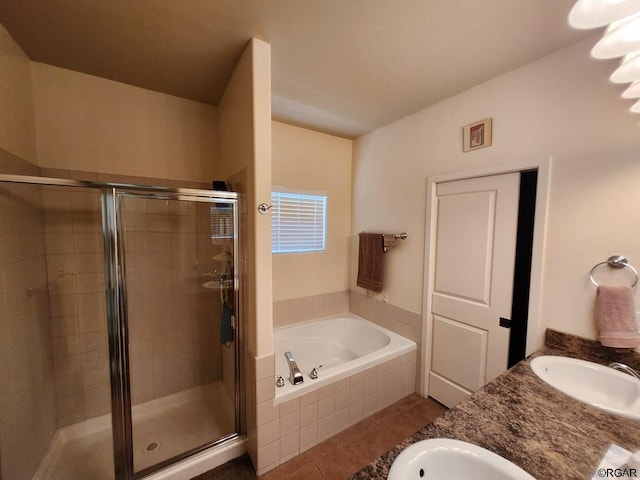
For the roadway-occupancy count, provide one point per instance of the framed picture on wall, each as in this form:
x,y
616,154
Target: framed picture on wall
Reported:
x,y
477,135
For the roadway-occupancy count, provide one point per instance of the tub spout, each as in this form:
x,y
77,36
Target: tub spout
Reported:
x,y
295,376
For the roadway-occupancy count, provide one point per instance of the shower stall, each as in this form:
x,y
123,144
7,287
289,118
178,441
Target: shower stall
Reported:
x,y
119,328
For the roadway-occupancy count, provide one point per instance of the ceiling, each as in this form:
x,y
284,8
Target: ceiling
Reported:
x,y
341,66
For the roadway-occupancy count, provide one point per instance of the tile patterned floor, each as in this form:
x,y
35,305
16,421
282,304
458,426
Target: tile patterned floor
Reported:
x,y
349,451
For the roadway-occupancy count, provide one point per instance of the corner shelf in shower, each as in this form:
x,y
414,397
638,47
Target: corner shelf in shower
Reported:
x,y
216,284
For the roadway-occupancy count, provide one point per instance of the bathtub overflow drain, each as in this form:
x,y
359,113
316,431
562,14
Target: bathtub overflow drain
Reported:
x,y
151,447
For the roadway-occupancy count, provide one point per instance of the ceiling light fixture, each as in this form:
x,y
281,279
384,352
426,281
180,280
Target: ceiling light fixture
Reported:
x,y
633,91
628,71
635,108
599,13
621,39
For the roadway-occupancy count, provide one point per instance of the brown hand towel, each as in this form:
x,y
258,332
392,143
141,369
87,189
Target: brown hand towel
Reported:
x,y
370,261
616,317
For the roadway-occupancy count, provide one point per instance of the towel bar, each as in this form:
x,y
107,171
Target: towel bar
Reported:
x,y
615,261
389,240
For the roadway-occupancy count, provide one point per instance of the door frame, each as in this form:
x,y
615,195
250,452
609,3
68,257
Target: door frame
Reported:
x,y
535,332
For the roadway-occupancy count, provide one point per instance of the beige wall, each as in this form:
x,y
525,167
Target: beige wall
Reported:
x,y
261,93
244,130
308,160
17,127
92,124
561,105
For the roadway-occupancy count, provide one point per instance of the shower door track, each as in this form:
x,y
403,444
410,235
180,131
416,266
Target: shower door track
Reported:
x,y
115,291
63,182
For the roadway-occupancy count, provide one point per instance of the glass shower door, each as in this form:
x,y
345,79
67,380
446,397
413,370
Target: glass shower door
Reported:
x,y
55,410
179,255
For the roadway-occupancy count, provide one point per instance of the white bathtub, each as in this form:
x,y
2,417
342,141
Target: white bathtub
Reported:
x,y
337,346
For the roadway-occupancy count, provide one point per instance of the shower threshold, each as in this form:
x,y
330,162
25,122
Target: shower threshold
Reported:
x,y
162,429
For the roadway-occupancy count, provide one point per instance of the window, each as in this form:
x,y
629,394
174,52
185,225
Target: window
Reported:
x,y
298,221
222,220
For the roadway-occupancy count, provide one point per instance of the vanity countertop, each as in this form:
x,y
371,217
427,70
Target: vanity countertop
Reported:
x,y
530,423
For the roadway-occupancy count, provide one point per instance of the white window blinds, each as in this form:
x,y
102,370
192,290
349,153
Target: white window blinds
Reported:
x,y
298,222
222,221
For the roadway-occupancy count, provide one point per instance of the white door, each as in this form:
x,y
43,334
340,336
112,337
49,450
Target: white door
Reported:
x,y
475,240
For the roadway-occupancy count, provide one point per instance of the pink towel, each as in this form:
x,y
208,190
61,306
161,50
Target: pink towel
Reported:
x,y
616,317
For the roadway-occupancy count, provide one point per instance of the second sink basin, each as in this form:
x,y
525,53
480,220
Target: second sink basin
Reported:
x,y
443,459
597,385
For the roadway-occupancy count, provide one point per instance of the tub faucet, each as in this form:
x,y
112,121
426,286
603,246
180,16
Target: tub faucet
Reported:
x,y
624,368
295,376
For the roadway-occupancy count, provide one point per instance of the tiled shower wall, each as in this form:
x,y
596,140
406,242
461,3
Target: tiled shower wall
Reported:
x,y
173,322
173,339
76,297
27,390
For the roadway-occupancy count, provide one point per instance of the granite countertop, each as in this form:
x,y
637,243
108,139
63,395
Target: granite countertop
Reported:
x,y
530,423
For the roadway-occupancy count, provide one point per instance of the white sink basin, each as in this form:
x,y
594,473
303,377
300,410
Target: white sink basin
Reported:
x,y
445,459
602,387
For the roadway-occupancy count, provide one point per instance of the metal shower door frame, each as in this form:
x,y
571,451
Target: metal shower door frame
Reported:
x,y
115,278
115,292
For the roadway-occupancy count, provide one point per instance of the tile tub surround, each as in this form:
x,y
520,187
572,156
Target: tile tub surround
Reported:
x,y
303,309
337,346
347,452
398,320
285,431
526,421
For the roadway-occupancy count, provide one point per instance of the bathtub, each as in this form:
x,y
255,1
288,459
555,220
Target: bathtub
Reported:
x,y
338,346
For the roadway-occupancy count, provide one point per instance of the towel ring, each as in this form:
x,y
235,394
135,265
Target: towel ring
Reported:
x,y
615,261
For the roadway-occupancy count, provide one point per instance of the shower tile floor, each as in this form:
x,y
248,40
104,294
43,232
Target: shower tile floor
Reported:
x,y
177,423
